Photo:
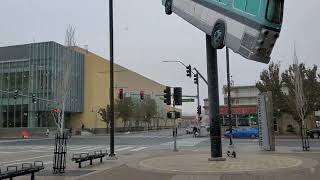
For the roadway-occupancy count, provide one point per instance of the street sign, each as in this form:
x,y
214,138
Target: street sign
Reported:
x,y
187,100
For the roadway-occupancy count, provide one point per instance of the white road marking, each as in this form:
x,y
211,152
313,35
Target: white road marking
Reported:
x,y
125,148
75,149
94,149
186,142
19,160
44,163
138,149
23,140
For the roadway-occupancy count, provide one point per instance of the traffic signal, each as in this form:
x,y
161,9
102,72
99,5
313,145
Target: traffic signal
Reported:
x,y
199,110
34,100
120,93
141,95
16,92
188,69
167,95
196,78
177,96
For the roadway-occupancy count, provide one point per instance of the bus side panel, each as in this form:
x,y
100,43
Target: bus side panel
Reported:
x,y
186,9
234,35
211,18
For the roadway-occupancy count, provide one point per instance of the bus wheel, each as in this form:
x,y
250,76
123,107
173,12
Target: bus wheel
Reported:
x,y
217,36
168,7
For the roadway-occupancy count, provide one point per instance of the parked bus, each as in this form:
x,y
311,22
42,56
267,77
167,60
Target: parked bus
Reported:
x,y
249,27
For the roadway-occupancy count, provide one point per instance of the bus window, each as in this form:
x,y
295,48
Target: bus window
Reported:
x,y
275,11
240,4
253,7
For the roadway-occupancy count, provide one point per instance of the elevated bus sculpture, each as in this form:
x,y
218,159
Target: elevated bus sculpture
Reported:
x,y
248,27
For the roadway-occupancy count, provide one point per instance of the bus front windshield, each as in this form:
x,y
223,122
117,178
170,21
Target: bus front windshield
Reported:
x,y
275,11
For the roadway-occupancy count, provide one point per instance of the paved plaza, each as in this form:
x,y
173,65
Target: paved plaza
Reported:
x,y
149,155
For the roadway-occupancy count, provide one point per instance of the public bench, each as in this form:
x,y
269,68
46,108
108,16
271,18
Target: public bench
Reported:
x,y
26,168
82,157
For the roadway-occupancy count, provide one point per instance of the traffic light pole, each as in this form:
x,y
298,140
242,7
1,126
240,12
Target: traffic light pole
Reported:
x,y
198,103
112,154
36,98
213,94
175,149
204,79
229,95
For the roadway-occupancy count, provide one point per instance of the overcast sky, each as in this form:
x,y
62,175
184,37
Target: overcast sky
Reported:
x,y
145,36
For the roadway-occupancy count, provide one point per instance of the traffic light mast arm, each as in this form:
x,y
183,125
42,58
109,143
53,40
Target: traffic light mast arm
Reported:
x,y
30,96
201,75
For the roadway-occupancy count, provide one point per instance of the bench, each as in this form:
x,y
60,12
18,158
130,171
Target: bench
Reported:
x,y
26,168
82,157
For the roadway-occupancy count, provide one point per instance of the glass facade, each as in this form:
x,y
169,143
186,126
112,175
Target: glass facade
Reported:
x,y
38,69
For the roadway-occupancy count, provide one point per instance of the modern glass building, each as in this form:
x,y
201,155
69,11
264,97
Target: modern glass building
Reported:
x,y
31,77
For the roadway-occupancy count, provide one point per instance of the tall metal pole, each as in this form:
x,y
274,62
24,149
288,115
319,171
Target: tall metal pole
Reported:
x,y
175,149
198,93
204,79
229,95
213,94
198,98
112,154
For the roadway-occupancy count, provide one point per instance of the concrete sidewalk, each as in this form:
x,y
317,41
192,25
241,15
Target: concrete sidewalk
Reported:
x,y
251,164
188,165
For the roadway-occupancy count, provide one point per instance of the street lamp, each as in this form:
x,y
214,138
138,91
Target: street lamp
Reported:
x,y
176,62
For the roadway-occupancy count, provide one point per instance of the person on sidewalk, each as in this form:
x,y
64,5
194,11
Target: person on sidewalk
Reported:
x,y
195,131
70,132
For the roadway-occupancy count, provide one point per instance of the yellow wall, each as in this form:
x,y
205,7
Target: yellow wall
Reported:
x,y
96,90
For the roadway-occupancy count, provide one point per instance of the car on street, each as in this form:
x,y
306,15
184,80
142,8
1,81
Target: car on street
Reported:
x,y
189,130
312,133
204,130
243,133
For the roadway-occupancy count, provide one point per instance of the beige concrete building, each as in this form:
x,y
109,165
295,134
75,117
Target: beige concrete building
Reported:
x,y
96,91
31,79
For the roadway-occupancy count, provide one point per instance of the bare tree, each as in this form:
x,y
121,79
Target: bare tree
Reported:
x,y
300,100
301,105
64,84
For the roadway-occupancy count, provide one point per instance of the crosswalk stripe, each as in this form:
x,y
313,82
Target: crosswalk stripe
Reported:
x,y
75,149
186,142
94,148
40,149
125,148
138,149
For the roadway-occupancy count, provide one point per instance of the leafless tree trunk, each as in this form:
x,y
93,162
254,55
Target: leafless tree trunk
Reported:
x,y
64,85
301,104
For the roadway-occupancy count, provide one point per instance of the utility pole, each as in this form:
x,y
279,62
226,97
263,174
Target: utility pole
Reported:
x,y
112,154
213,92
229,95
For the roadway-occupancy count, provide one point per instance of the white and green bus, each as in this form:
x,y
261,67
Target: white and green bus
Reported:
x,y
248,27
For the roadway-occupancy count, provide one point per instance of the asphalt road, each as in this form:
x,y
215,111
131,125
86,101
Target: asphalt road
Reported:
x,y
14,152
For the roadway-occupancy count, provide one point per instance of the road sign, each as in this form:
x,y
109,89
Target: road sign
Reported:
x,y
187,100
